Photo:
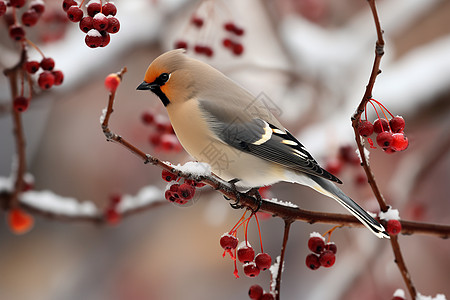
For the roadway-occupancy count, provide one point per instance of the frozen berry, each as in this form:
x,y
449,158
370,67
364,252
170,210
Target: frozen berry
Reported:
x,y
397,124
37,6
312,261
316,244
67,4
228,241
267,296
365,128
74,13
194,183
86,24
255,292
380,125
47,63
331,247
30,17
112,216
109,9
16,32
399,142
21,103
245,252
106,38
168,176
180,44
93,8
32,66
393,227
46,80
113,25
59,77
327,258
93,38
263,261
186,191
147,117
384,139
112,81
19,221
169,142
250,269
100,22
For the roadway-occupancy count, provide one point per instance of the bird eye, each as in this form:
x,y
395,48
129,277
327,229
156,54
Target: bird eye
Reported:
x,y
164,77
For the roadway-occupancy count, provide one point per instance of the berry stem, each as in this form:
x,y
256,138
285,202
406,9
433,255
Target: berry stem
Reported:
x,y
259,232
381,105
330,231
35,47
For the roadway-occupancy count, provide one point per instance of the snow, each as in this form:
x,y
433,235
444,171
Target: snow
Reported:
x,y
197,169
399,293
103,115
50,202
391,214
6,184
316,234
274,272
366,154
243,244
438,297
99,16
94,32
144,197
280,202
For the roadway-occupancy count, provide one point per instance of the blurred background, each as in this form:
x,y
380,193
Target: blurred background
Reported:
x,y
312,59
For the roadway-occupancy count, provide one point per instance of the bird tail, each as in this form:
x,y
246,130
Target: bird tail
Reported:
x,y
329,189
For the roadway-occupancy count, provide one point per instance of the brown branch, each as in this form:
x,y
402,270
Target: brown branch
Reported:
x,y
287,226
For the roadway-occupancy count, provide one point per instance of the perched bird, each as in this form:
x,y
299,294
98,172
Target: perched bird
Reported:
x,y
220,123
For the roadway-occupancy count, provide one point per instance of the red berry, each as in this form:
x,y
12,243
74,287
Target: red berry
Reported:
x,y
267,296
168,142
21,103
59,77
397,124
114,199
228,241
46,80
67,4
86,24
393,227
93,8
194,183
100,22
250,269
316,244
181,44
365,128
37,6
199,49
168,176
398,298
112,81
105,38
227,43
2,8
334,166
327,258
331,247
47,63
109,9
389,150
238,31
32,66
238,49
16,32
255,292
19,221
245,253
263,261
30,17
197,21
229,26
186,191
384,139
380,125
208,51
112,216
347,154
312,261
147,117
17,3
162,125
155,139
74,13
93,38
399,142
113,25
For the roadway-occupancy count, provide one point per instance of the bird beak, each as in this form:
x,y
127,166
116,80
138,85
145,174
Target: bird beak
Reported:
x,y
146,86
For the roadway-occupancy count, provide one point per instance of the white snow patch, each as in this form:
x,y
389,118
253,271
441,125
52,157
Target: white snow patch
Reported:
x,y
274,272
49,201
144,197
399,293
316,234
366,154
197,169
373,215
280,202
6,184
391,214
99,16
243,244
103,115
438,297
94,32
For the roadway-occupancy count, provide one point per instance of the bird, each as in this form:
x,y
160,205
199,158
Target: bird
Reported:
x,y
220,123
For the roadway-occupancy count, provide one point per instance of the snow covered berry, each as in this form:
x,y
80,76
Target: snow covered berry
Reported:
x,y
47,63
316,244
245,252
93,38
331,247
100,22
109,9
168,176
399,142
75,14
397,124
93,8
393,227
30,18
365,128
263,261
312,261
255,292
228,241
384,139
250,269
186,191
327,258
86,24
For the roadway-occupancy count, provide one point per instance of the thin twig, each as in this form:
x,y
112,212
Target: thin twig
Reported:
x,y
287,226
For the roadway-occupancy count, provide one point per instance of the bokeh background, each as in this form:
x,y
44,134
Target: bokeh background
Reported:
x,y
312,58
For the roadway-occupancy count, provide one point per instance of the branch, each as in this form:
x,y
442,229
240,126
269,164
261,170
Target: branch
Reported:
x,y
287,226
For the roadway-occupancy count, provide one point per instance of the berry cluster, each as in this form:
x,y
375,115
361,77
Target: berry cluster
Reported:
x,y
389,133
231,42
111,215
163,136
179,193
29,17
346,158
244,252
324,254
99,22
256,292
19,221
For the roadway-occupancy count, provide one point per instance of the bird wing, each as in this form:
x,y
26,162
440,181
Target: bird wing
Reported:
x,y
260,138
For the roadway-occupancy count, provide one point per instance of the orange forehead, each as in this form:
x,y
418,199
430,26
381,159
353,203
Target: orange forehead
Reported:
x,y
153,72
